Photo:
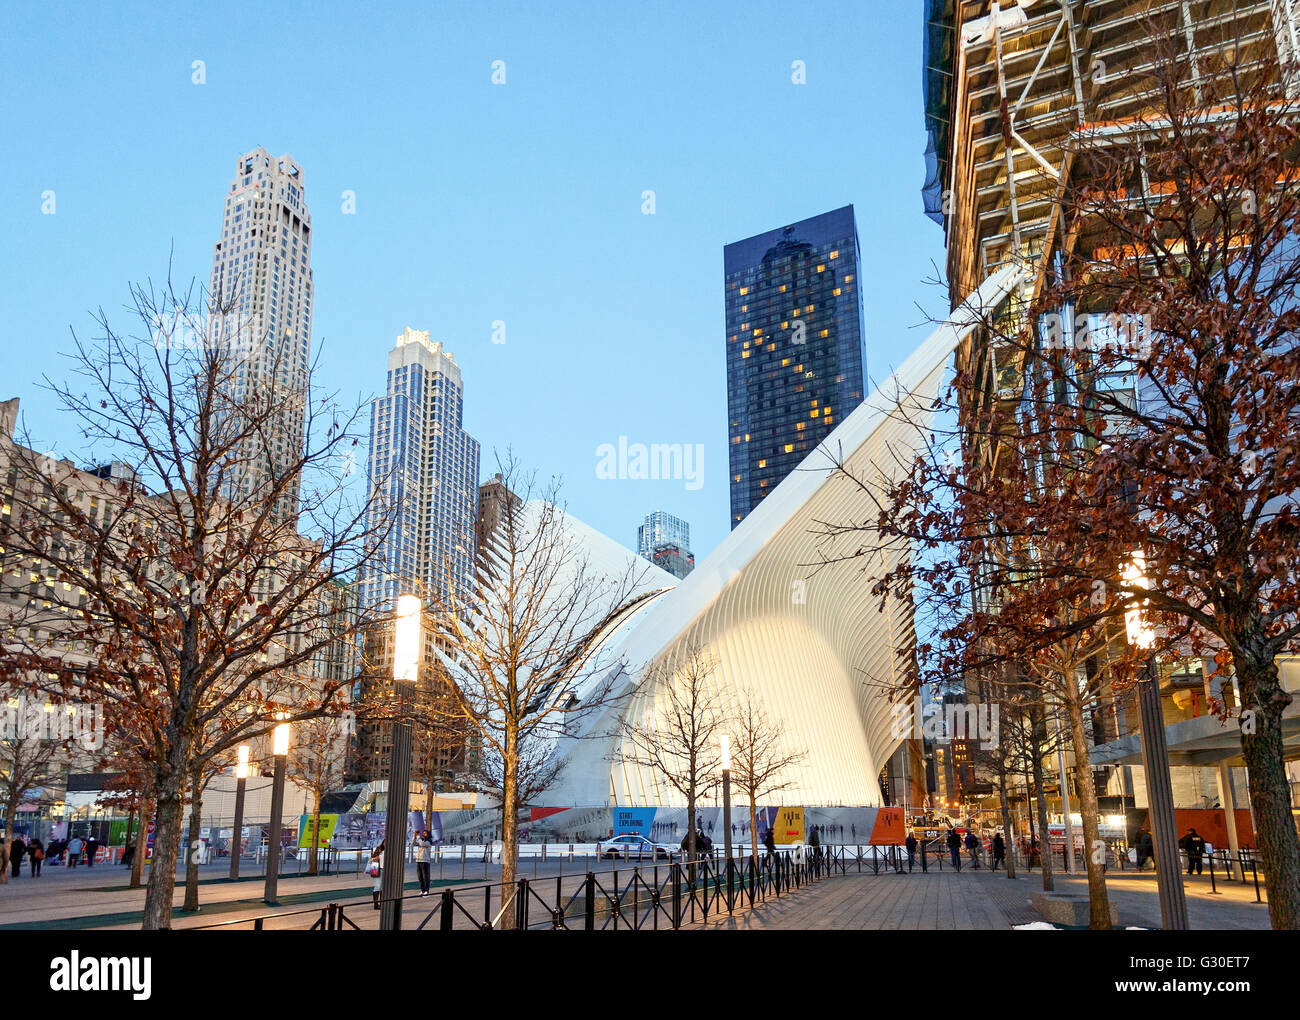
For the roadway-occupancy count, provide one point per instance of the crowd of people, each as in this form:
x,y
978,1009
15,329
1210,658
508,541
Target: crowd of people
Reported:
x,y
59,852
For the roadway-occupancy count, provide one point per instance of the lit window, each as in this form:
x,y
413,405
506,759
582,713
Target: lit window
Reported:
x,y
826,332
789,447
744,290
835,254
821,268
762,463
836,292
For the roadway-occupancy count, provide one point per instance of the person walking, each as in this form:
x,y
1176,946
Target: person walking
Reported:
x,y
17,851
769,841
815,845
911,844
1195,847
999,850
1146,848
423,843
973,847
75,845
954,848
36,851
92,848
377,870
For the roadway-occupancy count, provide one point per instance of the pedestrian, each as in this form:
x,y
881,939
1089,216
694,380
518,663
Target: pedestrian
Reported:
x,y
769,841
910,843
1195,847
36,851
423,845
75,845
128,855
1146,849
17,851
954,848
999,850
815,844
973,847
92,848
376,870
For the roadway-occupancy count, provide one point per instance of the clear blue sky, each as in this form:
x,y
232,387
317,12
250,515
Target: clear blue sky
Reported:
x,y
475,202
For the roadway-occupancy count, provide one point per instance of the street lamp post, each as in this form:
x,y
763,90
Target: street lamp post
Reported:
x,y
406,665
1155,760
280,751
726,807
237,835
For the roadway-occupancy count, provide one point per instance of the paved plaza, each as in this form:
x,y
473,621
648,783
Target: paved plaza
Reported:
x,y
973,900
72,899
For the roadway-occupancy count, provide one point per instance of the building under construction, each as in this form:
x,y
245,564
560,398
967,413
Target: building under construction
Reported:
x,y
1008,84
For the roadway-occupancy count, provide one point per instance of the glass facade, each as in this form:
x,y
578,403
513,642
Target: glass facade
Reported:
x,y
659,527
796,365
424,466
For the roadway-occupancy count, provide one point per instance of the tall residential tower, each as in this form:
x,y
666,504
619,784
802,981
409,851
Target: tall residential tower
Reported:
x,y
425,465
795,358
261,289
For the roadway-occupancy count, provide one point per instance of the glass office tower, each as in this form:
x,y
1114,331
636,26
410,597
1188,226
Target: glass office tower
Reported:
x,y
795,359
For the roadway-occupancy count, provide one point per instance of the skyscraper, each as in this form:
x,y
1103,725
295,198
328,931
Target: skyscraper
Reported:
x,y
424,464
660,527
795,359
676,559
262,287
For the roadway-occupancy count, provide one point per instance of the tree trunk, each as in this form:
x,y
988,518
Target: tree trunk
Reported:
x,y
191,861
753,834
141,846
509,821
1098,899
1036,764
1007,839
166,843
11,819
690,834
1264,700
315,832
130,829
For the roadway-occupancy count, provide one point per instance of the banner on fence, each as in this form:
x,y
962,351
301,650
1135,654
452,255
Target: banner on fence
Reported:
x,y
888,829
789,825
327,824
633,821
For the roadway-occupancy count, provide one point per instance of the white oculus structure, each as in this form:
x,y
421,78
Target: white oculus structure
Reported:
x,y
807,643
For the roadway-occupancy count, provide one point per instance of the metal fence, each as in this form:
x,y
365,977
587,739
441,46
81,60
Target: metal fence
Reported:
x,y
652,896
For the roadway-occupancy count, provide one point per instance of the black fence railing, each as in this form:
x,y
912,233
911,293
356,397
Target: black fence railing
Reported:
x,y
643,896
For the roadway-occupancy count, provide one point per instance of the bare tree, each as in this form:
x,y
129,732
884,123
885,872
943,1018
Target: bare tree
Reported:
x,y
24,761
761,764
522,647
185,594
678,735
315,764
1140,396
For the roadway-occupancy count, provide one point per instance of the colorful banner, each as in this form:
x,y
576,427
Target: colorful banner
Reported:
x,y
789,826
888,828
327,824
633,821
